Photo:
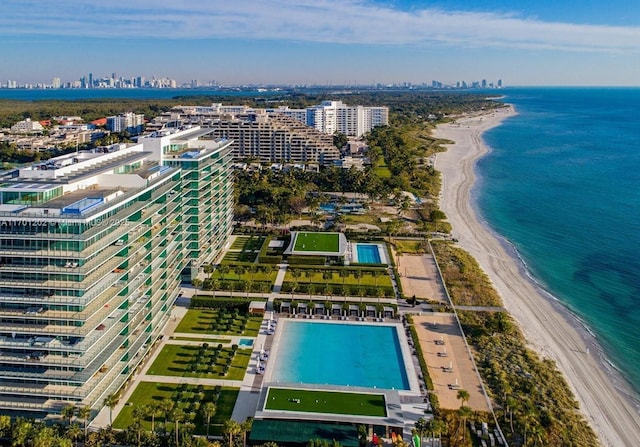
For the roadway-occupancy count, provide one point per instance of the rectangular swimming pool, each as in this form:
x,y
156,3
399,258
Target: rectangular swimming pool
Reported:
x,y
368,254
340,354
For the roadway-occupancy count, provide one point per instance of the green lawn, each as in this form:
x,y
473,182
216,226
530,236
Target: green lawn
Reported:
x,y
240,242
382,171
325,242
219,322
239,256
317,276
188,397
244,273
194,361
326,402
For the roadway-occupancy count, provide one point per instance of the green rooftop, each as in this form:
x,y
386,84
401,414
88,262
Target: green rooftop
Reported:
x,y
293,433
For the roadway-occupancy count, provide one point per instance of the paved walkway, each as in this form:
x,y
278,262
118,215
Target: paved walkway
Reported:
x,y
249,386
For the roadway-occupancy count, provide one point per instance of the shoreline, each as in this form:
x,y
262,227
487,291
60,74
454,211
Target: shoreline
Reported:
x,y
606,399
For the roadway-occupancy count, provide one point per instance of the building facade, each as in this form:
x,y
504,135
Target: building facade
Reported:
x,y
27,126
128,122
93,249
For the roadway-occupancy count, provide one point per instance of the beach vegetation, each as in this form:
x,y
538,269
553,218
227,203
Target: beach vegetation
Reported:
x,y
531,398
466,282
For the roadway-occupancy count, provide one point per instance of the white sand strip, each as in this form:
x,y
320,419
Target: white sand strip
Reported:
x,y
549,327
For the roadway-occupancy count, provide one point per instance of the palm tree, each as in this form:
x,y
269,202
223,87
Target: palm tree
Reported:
x,y
166,407
438,427
84,413
375,274
44,437
21,432
246,427
358,275
462,396
295,273
223,269
178,416
138,414
421,427
465,413
208,410
111,401
67,413
154,409
231,428
5,424
74,432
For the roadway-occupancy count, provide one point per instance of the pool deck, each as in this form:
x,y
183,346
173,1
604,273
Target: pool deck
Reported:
x,y
449,361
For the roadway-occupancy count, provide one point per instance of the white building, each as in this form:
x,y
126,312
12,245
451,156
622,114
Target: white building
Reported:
x,y
127,122
354,121
27,126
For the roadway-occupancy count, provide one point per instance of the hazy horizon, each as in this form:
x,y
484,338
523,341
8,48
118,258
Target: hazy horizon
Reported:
x,y
346,42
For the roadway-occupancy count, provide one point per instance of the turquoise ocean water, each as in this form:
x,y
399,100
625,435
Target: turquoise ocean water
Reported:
x,y
562,184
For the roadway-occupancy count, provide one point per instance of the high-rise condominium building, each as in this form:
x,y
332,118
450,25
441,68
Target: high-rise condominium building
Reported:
x,y
335,116
128,122
93,248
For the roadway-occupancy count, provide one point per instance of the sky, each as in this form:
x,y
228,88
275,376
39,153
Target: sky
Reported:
x,y
523,42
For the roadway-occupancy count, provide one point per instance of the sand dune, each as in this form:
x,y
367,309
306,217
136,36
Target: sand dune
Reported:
x,y
549,327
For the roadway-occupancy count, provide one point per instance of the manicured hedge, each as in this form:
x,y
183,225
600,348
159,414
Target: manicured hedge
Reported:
x,y
307,260
211,302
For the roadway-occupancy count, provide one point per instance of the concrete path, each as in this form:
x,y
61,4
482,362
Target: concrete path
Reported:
x,y
249,387
282,271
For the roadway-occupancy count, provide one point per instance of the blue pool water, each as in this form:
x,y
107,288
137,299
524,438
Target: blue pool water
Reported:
x,y
368,254
245,342
328,207
340,354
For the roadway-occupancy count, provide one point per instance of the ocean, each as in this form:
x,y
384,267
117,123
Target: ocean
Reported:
x,y
562,184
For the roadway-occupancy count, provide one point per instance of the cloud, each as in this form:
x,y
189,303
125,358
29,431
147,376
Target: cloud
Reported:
x,y
323,21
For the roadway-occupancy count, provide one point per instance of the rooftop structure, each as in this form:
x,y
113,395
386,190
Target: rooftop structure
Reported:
x,y
93,248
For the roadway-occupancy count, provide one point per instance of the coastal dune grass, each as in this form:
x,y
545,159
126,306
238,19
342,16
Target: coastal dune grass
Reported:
x,y
326,402
526,389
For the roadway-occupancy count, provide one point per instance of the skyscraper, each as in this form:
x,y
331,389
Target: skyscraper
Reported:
x,y
94,246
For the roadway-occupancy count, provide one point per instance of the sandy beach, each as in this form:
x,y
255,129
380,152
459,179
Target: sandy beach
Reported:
x,y
549,328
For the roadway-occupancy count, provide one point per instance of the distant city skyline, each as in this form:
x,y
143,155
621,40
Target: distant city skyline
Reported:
x,y
341,42
91,81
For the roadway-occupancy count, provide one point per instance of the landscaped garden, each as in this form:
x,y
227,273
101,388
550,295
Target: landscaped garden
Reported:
x,y
242,277
219,322
203,361
338,281
326,402
158,402
244,249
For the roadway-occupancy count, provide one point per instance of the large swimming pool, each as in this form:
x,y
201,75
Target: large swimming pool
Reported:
x,y
339,354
